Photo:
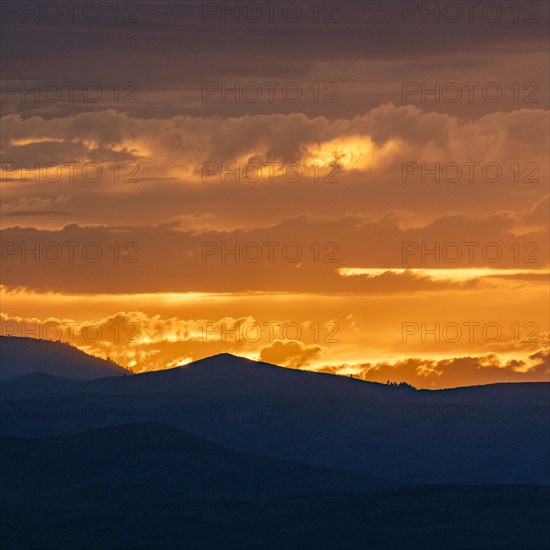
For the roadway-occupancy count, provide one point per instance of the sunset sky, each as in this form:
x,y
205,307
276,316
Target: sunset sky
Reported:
x,y
388,216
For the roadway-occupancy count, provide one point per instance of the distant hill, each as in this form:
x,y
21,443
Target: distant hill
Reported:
x,y
480,434
155,458
23,356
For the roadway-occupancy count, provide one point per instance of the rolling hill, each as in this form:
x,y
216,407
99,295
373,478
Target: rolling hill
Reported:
x,y
479,434
231,453
21,356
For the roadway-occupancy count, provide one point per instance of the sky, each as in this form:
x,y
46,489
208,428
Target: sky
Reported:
x,y
358,188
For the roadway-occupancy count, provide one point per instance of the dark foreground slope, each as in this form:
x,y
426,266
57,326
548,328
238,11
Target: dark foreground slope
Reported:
x,y
155,459
149,486
454,518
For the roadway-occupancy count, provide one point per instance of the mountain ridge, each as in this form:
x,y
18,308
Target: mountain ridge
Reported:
x,y
475,434
22,356
223,362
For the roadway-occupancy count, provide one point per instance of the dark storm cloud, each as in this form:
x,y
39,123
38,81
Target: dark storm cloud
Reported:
x,y
369,40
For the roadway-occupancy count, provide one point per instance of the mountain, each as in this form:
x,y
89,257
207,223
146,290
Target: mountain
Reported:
x,y
22,356
236,454
155,458
473,435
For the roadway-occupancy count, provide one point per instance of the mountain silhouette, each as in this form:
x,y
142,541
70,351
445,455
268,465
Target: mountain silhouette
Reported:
x,y
231,453
478,434
152,457
21,356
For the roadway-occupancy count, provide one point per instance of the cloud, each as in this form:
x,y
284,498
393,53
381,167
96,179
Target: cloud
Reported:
x,y
300,254
294,355
452,372
179,147
36,206
372,32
